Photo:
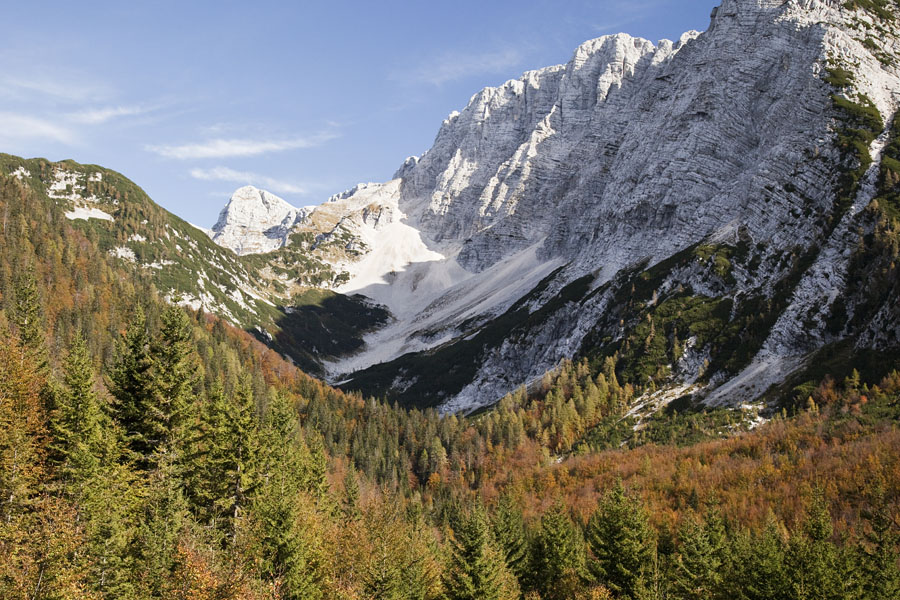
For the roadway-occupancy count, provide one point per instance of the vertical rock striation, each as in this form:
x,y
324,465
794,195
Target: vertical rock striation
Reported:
x,y
629,159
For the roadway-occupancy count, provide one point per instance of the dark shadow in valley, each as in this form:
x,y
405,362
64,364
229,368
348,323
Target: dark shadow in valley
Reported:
x,y
324,325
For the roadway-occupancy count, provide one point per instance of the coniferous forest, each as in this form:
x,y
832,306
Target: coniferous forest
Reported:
x,y
149,451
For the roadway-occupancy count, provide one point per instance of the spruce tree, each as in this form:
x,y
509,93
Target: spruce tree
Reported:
x,y
383,571
316,467
351,495
878,550
206,484
240,465
175,381
23,423
756,569
509,529
77,421
164,516
621,541
87,451
221,466
131,384
28,317
559,556
701,558
814,566
476,569
110,507
287,549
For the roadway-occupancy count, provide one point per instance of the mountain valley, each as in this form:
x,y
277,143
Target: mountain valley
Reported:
x,y
628,330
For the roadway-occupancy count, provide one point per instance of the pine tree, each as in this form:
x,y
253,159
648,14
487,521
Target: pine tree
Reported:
x,y
476,569
621,541
131,384
559,556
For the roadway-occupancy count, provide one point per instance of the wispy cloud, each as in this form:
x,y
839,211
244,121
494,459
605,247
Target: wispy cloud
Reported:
x,y
232,176
15,126
96,116
51,87
454,66
226,148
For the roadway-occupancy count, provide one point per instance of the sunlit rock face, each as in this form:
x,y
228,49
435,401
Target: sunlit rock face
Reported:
x,y
625,156
255,221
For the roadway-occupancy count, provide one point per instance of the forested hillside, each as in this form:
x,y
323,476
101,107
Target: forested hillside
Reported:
x,y
148,451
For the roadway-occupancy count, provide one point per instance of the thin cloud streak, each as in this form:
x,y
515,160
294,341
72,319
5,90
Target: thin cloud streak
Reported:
x,y
51,87
228,148
455,66
20,127
230,175
97,116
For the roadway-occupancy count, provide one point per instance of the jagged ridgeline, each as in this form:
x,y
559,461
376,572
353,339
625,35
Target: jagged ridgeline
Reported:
x,y
717,213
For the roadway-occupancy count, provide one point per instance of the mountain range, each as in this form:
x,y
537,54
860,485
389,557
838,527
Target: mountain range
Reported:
x,y
718,215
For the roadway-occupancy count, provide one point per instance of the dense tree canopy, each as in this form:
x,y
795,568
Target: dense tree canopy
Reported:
x,y
148,451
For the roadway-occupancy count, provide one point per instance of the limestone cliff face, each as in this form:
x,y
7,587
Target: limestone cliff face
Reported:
x,y
627,156
633,150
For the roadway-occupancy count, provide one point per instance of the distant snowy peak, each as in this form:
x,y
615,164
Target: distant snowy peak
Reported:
x,y
255,221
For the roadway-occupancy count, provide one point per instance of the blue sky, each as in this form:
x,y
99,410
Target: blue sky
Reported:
x,y
194,99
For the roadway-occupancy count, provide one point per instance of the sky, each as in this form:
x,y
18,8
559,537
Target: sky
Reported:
x,y
305,98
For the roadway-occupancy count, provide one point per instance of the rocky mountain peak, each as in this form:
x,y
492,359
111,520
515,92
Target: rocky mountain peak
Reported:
x,y
256,221
561,212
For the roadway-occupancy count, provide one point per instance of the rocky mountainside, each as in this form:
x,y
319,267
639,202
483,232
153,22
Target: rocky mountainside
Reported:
x,y
700,205
716,215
